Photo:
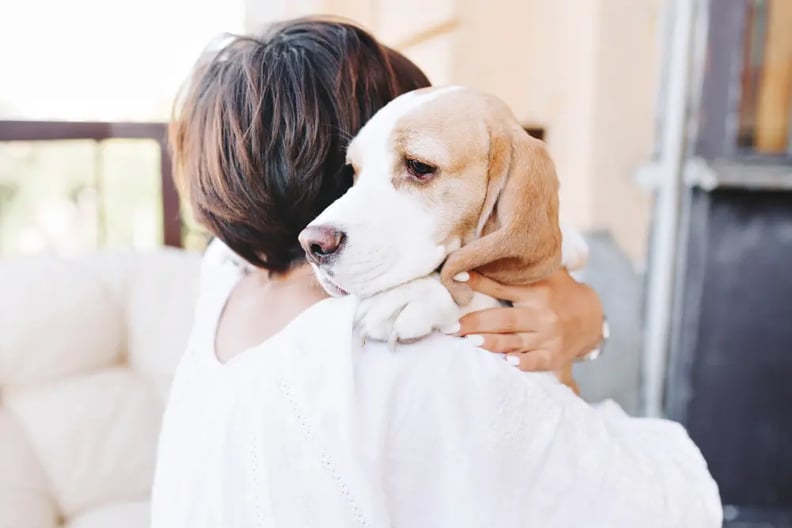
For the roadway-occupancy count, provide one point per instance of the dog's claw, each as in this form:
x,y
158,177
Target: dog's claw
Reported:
x,y
392,342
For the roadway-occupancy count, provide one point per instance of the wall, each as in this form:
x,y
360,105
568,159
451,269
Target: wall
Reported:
x,y
585,70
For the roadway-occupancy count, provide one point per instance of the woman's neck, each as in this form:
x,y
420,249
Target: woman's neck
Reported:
x,y
297,274
261,305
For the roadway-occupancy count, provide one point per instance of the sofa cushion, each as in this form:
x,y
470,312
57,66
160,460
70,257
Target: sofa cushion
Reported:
x,y
57,319
158,320
95,436
121,515
25,496
88,347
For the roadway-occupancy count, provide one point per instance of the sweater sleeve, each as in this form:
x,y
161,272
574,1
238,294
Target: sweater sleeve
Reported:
x,y
525,450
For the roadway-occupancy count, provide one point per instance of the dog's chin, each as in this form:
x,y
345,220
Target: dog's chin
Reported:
x,y
332,289
359,290
359,279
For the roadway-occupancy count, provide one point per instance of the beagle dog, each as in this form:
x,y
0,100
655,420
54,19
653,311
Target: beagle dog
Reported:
x,y
446,181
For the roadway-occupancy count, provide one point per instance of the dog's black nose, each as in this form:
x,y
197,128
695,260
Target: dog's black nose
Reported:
x,y
321,242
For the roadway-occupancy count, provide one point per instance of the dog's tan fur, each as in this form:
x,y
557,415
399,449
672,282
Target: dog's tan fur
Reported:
x,y
498,192
496,189
485,199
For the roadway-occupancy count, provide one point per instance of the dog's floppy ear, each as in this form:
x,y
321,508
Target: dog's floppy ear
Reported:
x,y
518,236
499,166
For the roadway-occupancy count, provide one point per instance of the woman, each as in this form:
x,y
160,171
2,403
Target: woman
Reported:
x,y
278,418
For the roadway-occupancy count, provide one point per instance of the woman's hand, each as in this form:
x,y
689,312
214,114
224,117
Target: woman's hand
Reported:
x,y
552,322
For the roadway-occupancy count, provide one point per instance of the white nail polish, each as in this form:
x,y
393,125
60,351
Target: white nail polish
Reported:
x,y
451,329
462,277
514,361
475,340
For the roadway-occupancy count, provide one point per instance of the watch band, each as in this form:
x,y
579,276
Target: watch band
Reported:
x,y
597,352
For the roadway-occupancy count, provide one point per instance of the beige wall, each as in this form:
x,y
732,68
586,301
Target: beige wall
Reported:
x,y
539,59
626,81
585,70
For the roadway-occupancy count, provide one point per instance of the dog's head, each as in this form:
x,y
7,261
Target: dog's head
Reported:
x,y
436,169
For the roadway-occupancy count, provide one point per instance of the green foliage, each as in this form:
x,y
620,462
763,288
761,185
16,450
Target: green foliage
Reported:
x,y
72,196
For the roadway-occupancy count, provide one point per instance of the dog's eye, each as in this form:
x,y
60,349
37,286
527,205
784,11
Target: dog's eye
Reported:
x,y
419,170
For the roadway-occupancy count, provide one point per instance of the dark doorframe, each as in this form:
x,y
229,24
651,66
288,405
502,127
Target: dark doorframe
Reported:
x,y
729,371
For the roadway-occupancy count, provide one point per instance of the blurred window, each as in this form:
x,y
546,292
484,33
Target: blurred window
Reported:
x,y
765,111
95,61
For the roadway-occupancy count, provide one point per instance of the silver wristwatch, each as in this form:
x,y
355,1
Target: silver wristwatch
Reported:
x,y
597,352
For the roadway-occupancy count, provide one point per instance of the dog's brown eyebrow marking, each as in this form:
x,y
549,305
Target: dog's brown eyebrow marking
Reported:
x,y
399,169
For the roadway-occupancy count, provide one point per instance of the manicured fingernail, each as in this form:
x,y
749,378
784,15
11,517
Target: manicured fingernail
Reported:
x,y
462,277
475,340
451,329
514,361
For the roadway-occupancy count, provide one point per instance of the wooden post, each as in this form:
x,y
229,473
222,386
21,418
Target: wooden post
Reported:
x,y
775,92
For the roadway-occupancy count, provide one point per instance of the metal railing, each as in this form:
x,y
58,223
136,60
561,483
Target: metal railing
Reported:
x,y
100,131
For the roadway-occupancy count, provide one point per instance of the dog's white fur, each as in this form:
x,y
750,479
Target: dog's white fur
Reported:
x,y
390,253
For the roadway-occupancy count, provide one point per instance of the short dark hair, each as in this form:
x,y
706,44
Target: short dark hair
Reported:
x,y
259,139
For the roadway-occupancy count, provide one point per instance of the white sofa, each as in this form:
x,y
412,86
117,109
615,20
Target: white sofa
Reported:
x,y
87,350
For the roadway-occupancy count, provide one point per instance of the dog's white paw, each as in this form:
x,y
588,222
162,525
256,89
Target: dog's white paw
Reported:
x,y
407,312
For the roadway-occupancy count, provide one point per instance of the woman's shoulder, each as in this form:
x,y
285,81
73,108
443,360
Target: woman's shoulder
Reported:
x,y
483,429
219,273
219,256
442,371
327,329
220,270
